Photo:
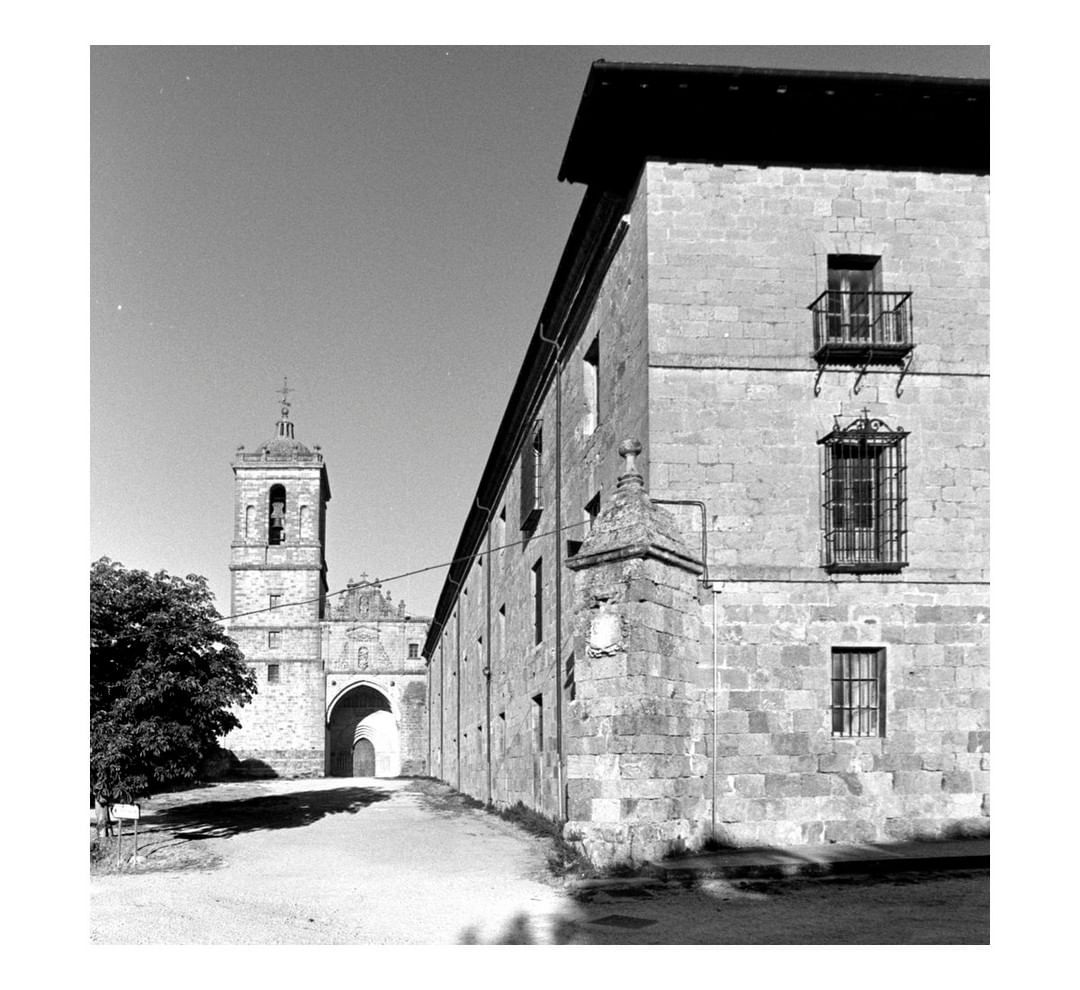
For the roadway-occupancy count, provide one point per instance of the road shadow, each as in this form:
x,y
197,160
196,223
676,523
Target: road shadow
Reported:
x,y
521,931
223,819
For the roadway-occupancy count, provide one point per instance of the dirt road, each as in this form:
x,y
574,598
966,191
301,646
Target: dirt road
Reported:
x,y
388,862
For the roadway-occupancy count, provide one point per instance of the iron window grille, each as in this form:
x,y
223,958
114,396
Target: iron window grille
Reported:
x,y
532,501
858,692
864,497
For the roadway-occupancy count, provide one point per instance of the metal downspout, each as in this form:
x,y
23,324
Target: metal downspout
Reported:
x,y
561,787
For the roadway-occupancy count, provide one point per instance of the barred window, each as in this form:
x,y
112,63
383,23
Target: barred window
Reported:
x,y
864,497
858,692
414,651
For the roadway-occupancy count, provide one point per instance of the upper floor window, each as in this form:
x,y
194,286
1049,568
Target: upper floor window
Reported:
x,y
414,651
273,639
591,368
592,512
864,497
276,533
855,320
273,673
538,600
531,481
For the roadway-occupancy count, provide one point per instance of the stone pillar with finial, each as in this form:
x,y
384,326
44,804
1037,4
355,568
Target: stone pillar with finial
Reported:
x,y
635,737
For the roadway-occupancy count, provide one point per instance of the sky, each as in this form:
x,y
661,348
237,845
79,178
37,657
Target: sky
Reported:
x,y
378,224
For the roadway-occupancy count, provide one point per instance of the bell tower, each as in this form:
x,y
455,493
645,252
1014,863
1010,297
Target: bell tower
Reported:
x,y
278,579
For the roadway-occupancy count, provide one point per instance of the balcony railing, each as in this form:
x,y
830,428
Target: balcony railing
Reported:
x,y
862,327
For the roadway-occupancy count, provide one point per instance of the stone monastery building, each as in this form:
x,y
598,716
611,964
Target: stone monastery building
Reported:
x,y
727,567
340,679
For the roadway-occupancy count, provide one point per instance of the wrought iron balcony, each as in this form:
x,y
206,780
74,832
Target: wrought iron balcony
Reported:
x,y
862,328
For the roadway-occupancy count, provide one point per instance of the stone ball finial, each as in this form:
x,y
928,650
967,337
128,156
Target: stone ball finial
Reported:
x,y
628,450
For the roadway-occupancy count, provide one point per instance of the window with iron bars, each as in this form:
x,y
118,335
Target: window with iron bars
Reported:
x,y
858,692
864,497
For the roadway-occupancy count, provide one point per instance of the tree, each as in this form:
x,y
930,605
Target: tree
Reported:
x,y
163,678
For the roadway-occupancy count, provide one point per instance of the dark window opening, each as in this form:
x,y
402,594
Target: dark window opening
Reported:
x,y
531,481
858,692
538,724
277,515
273,673
569,684
538,600
864,498
414,651
592,512
591,366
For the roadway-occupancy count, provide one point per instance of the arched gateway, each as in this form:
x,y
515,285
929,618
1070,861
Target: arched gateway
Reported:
x,y
362,734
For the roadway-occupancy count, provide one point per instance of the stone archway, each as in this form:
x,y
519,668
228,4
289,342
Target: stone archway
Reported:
x,y
362,734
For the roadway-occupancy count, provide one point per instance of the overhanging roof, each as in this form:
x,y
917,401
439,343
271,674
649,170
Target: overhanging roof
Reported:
x,y
630,113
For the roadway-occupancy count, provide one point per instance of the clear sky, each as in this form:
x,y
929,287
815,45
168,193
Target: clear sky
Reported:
x,y
381,225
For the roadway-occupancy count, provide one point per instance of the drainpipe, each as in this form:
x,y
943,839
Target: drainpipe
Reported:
x,y
487,667
560,796
457,650
711,586
488,509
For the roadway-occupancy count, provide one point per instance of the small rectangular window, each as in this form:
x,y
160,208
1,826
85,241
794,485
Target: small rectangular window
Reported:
x,y
568,684
273,639
591,368
538,600
592,512
538,724
273,673
275,601
858,692
414,651
532,502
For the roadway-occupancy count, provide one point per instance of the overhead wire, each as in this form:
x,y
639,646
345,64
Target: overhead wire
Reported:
x,y
378,582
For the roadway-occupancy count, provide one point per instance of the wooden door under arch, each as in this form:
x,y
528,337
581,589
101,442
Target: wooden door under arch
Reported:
x,y
363,758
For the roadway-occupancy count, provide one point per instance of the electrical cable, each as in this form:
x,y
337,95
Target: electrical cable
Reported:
x,y
397,577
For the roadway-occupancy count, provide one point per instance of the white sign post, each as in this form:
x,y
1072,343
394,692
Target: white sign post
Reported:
x,y
121,813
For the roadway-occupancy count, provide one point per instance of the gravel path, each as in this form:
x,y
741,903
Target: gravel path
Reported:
x,y
401,862
325,861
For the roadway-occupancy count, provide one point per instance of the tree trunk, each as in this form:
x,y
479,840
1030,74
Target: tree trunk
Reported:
x,y
103,823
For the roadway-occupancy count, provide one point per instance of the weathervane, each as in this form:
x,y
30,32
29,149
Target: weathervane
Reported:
x,y
285,390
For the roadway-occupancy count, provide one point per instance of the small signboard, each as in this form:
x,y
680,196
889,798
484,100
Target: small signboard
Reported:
x,y
120,813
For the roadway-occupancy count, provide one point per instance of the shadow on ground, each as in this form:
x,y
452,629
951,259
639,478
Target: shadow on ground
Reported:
x,y
222,819
902,909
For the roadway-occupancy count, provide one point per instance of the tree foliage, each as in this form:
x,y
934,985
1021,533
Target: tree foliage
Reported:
x,y
163,678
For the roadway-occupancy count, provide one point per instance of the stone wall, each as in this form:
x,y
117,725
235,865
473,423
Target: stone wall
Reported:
x,y
635,750
737,254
